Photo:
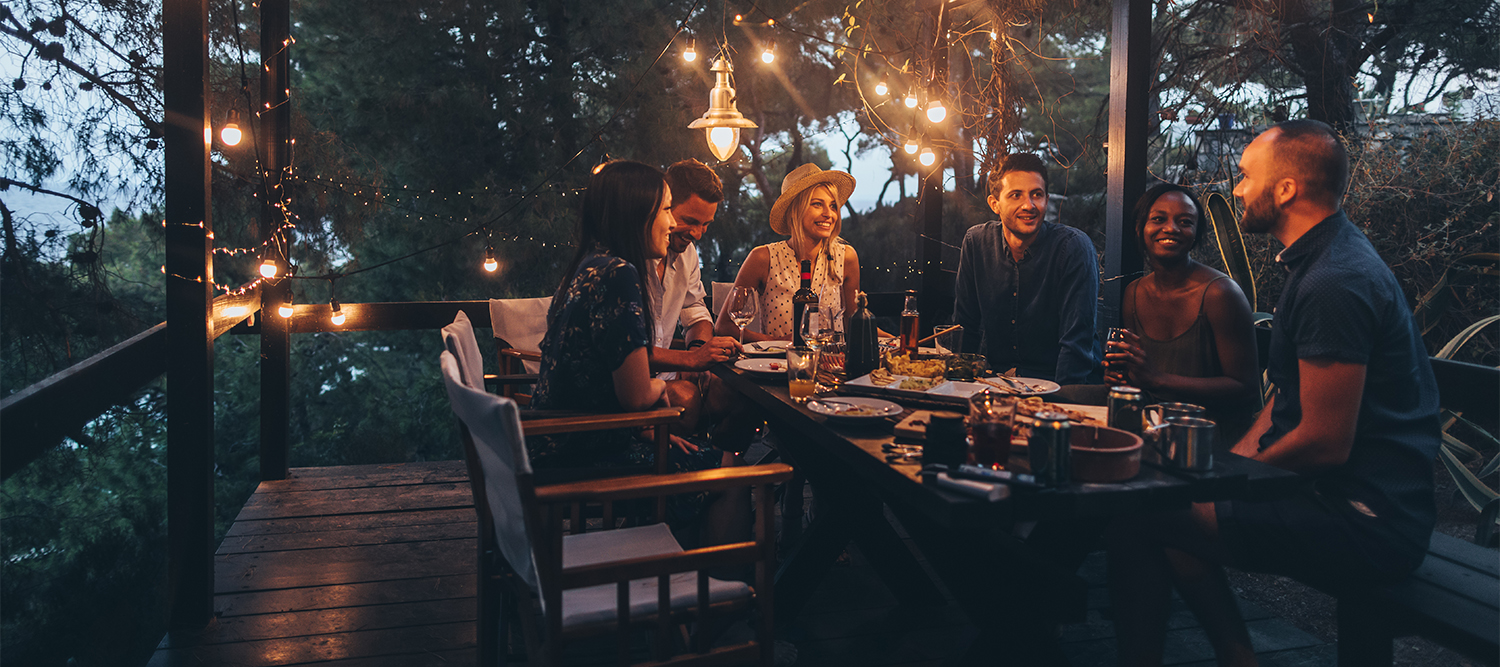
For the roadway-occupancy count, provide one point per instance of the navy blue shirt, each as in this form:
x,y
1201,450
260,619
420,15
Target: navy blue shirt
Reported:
x,y
1036,314
1341,302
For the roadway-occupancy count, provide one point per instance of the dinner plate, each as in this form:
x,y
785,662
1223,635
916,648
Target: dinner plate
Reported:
x,y
1023,386
762,366
766,348
854,408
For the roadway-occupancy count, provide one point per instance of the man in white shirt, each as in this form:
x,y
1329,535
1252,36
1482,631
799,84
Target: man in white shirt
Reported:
x,y
676,286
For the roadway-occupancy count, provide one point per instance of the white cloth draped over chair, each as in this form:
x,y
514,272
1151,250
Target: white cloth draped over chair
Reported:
x,y
521,323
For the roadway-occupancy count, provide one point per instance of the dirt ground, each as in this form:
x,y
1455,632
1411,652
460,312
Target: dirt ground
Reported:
x,y
1313,611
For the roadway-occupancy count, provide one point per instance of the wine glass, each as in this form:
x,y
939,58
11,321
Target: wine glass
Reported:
x,y
742,303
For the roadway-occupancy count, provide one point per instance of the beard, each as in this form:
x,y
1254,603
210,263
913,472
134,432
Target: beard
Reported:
x,y
1261,215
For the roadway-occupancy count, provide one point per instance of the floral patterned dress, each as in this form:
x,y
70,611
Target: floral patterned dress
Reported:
x,y
594,325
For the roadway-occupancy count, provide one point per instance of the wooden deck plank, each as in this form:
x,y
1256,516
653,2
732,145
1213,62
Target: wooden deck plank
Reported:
x,y
351,522
346,595
345,565
310,623
403,642
346,538
356,501
300,480
375,469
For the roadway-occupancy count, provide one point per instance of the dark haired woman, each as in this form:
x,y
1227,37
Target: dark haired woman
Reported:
x,y
595,353
1189,336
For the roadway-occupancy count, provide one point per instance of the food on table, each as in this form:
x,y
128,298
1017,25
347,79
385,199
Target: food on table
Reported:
x,y
902,364
881,377
1033,404
918,383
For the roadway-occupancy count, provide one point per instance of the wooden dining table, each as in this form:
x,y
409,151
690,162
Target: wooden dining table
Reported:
x,y
1010,564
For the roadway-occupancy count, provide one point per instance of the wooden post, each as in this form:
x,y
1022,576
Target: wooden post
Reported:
x,y
1129,105
190,327
274,133
935,301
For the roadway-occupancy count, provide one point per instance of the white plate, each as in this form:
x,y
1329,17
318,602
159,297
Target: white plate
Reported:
x,y
1029,386
854,408
894,386
766,348
762,366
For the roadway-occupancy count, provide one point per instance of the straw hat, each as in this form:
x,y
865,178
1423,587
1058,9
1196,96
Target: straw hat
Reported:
x,y
801,179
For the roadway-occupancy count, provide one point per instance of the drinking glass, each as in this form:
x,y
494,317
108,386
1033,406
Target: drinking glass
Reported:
x,y
820,331
742,303
801,373
991,419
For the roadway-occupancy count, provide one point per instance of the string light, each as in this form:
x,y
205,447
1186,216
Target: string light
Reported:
x,y
768,54
338,313
268,268
691,53
490,263
927,157
285,309
936,112
230,133
911,100
910,147
881,88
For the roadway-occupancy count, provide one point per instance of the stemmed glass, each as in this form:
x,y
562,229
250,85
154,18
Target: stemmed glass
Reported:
x,y
742,304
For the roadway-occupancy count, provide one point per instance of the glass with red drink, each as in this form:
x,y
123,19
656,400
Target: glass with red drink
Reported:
x,y
991,417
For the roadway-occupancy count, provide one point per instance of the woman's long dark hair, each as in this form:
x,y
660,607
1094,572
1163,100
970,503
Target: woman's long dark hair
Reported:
x,y
619,207
1143,211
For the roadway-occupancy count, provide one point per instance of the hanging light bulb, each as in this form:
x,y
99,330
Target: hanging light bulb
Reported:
x,y
338,314
691,53
768,54
994,35
268,268
490,263
927,157
881,88
910,147
936,112
911,100
285,309
723,120
230,133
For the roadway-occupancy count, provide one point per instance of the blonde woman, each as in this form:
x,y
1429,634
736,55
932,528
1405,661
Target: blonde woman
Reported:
x,y
808,212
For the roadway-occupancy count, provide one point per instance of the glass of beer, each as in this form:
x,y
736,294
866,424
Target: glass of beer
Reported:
x,y
991,418
801,372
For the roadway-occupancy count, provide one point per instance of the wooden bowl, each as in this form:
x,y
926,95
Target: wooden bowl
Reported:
x,y
1103,454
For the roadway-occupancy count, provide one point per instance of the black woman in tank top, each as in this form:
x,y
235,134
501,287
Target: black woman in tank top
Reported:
x,y
1189,336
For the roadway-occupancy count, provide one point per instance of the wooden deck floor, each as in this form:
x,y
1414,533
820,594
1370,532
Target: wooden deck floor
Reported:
x,y
374,566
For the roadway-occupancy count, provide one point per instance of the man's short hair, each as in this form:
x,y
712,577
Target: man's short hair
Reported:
x,y
1311,152
1017,162
691,177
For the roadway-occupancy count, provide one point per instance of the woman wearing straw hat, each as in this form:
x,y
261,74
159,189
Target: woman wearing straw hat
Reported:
x,y
808,212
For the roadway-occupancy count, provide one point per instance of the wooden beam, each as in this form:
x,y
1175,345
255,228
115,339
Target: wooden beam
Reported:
x,y
35,419
1129,104
190,317
274,136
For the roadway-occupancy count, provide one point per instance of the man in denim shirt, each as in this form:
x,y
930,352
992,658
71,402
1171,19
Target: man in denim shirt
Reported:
x,y
1026,288
1355,411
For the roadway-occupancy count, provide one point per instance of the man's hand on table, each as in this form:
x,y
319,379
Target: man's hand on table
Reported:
x,y
712,351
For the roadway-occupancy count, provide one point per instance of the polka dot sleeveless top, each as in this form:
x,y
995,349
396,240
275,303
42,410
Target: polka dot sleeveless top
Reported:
x,y
783,279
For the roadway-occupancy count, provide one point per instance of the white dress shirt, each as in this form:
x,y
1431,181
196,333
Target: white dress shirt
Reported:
x,y
677,297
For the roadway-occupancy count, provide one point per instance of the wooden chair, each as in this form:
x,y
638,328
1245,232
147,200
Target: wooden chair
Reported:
x,y
570,586
519,325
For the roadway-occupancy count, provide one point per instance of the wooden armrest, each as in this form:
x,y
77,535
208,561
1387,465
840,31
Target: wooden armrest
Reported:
x,y
525,355
601,421
652,566
523,378
647,486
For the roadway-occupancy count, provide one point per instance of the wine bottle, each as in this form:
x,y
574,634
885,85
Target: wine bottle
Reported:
x,y
909,331
800,300
864,346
